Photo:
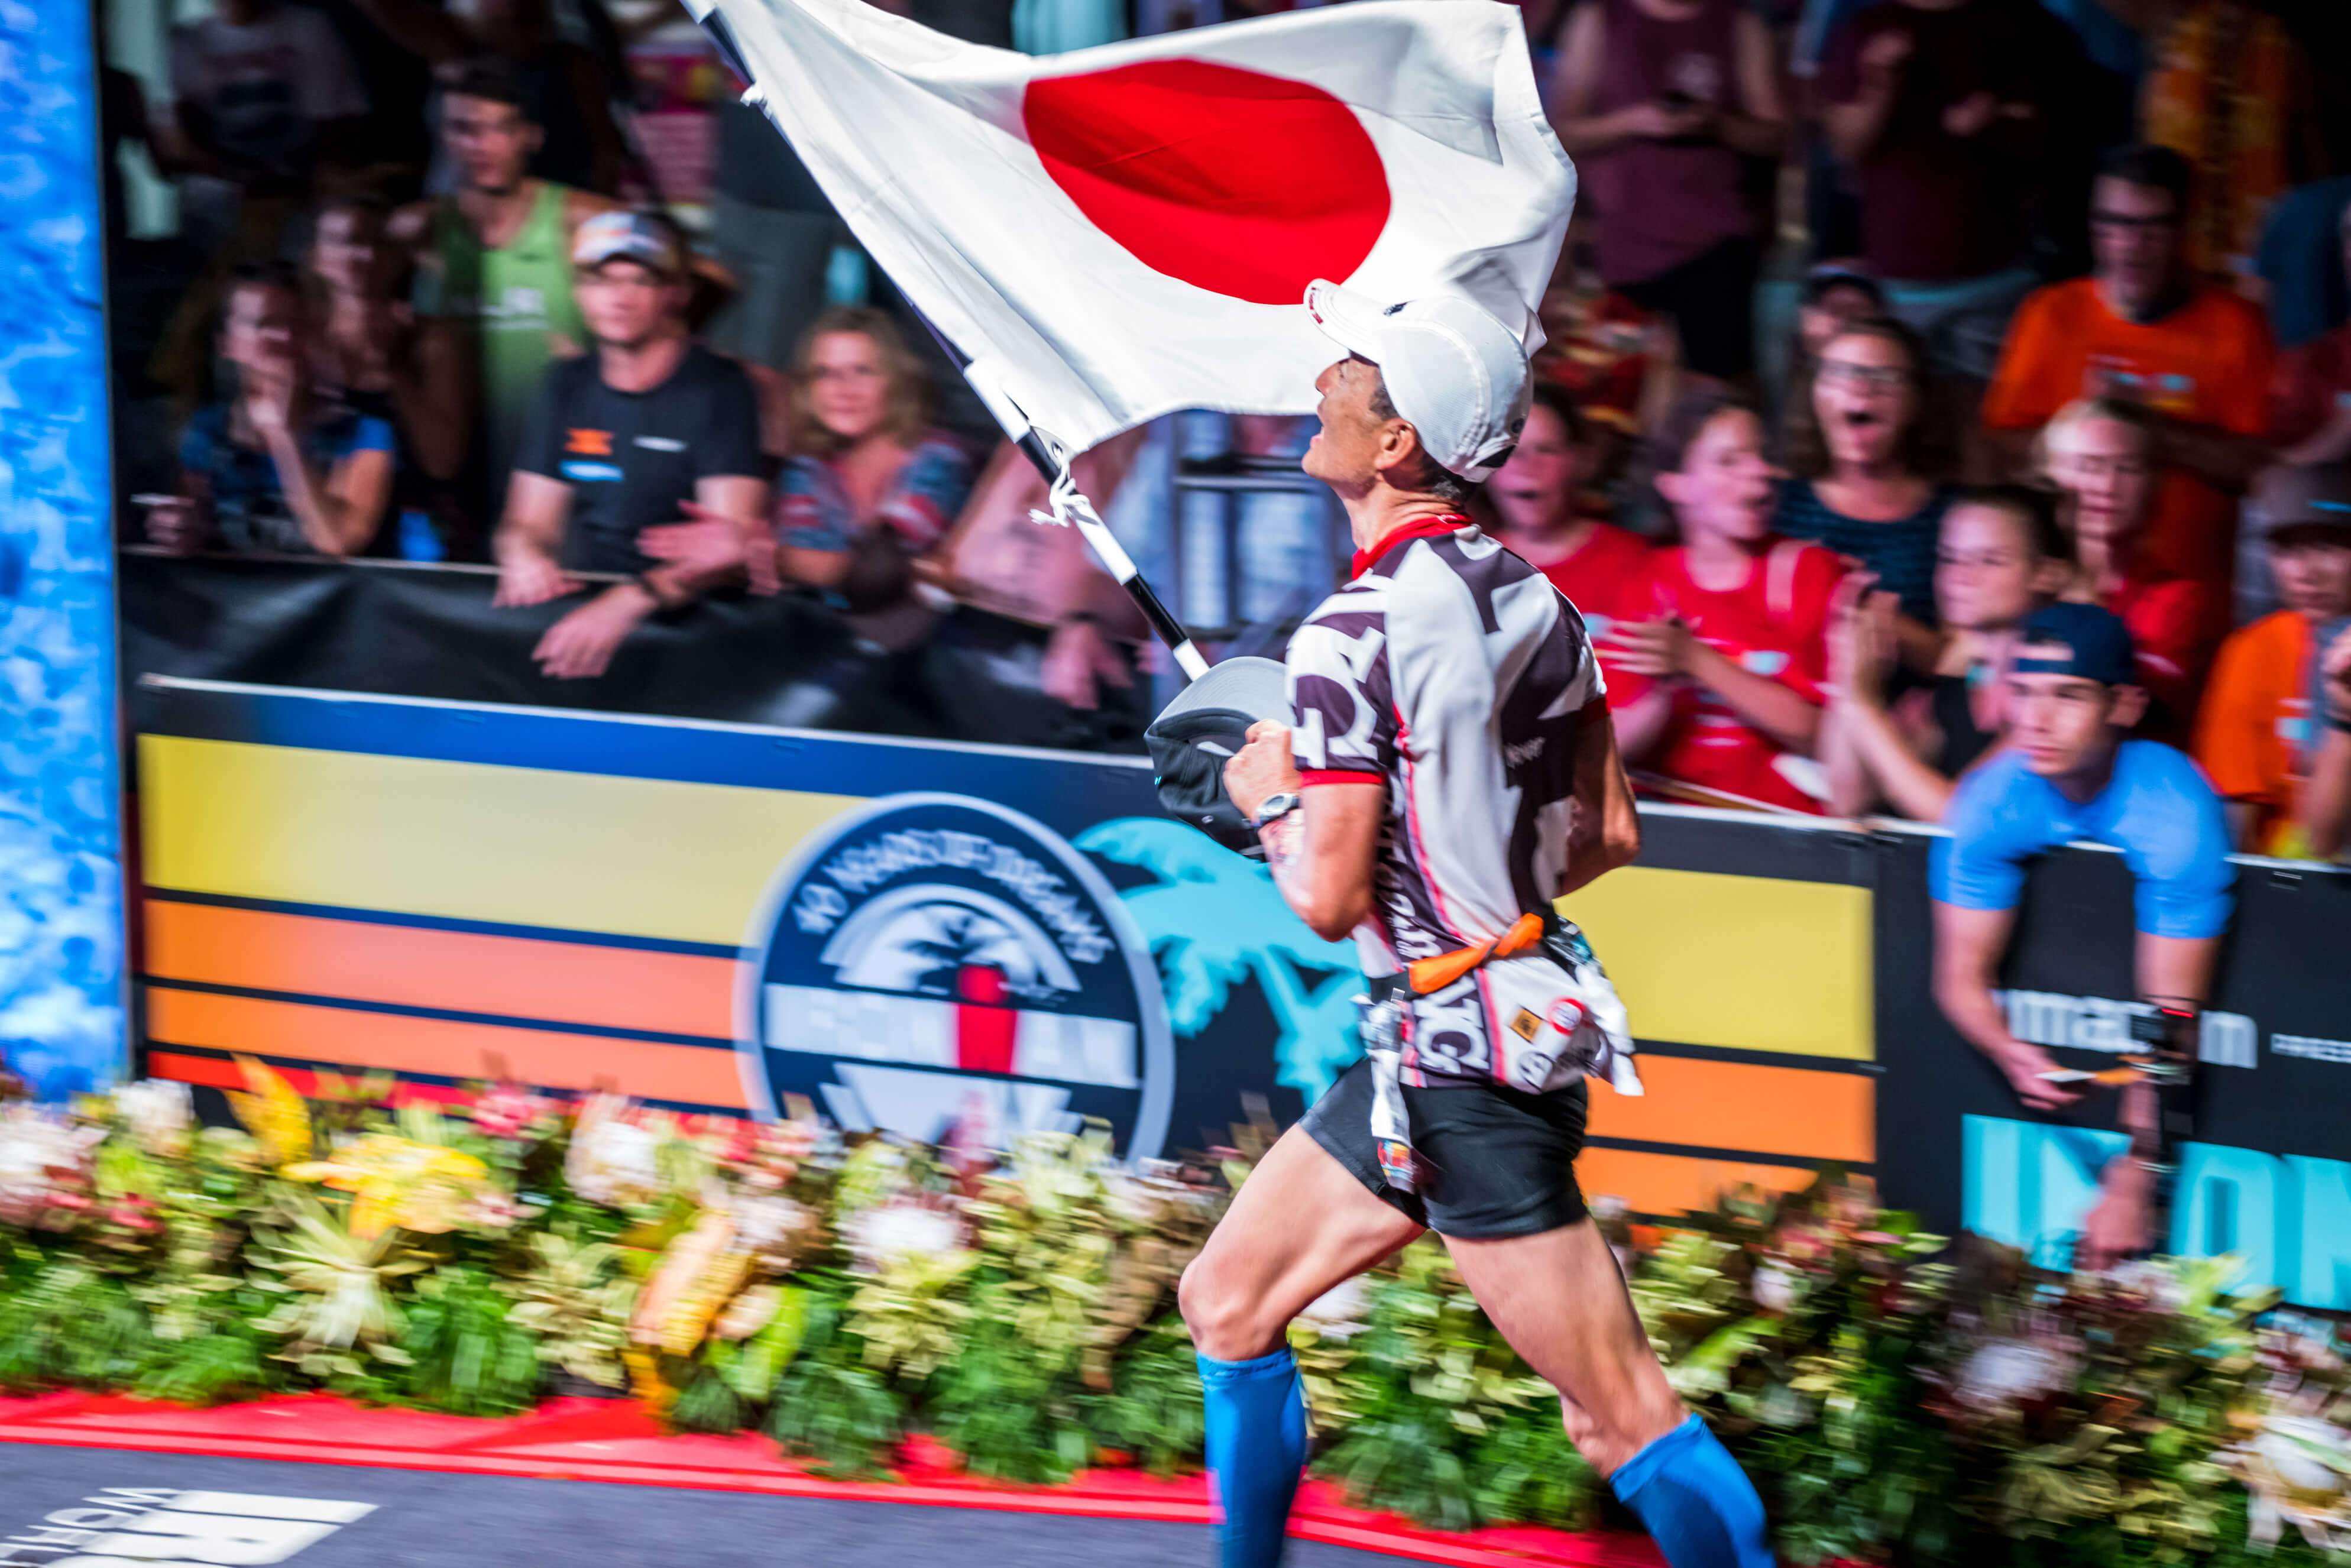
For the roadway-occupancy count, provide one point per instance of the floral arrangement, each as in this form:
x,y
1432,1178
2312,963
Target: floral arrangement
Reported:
x,y
1898,1399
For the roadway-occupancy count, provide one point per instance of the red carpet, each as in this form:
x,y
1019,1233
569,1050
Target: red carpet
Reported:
x,y
613,1440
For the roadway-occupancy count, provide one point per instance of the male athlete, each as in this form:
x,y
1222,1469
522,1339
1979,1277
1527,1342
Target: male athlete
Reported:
x,y
1453,773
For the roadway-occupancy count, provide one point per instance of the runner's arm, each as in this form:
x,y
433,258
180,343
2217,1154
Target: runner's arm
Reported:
x,y
1323,854
1605,831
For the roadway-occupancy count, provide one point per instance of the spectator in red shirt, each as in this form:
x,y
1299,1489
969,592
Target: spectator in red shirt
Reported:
x,y
2310,407
2101,454
1722,677
1942,107
2141,328
1533,502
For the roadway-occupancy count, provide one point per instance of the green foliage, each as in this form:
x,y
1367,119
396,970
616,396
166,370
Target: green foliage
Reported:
x,y
466,1354
1442,1421
69,1324
1892,1407
1152,1411
829,1406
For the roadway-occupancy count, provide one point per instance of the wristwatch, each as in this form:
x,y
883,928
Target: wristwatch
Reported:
x,y
1274,807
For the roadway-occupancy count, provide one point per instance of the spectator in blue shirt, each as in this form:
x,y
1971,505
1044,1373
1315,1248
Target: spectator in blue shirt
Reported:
x,y
276,467
2069,772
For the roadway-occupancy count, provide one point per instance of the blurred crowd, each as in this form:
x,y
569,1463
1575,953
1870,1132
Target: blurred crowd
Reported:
x,y
1882,324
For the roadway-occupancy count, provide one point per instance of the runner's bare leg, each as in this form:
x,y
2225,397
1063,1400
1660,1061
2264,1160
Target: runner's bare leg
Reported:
x,y
1300,1225
1558,1297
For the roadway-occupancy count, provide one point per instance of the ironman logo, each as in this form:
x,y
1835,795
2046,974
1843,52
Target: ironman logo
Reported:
x,y
931,959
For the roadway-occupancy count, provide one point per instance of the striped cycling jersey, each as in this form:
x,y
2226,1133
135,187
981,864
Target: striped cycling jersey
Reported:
x,y
1457,675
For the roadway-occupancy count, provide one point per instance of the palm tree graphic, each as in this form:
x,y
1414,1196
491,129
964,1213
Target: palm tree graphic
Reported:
x,y
1214,919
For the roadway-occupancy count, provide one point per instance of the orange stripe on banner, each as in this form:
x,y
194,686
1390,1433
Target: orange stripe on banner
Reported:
x,y
516,976
1675,1184
220,1073
1740,1105
342,1035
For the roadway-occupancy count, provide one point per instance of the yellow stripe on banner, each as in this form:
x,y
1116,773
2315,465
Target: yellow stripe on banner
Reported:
x,y
1747,962
466,841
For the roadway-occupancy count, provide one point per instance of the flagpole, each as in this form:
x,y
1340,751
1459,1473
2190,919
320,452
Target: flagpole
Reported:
x,y
1078,509
1112,555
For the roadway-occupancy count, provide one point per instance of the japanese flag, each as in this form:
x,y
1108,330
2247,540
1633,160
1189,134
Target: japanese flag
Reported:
x,y
1115,232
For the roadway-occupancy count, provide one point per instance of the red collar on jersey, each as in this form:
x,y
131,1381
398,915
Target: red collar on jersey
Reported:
x,y
1418,528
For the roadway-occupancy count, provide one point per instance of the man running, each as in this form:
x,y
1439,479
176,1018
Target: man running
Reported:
x,y
1452,773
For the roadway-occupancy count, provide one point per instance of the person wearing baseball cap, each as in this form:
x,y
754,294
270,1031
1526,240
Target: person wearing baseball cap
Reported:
x,y
2070,772
649,428
2264,711
1441,770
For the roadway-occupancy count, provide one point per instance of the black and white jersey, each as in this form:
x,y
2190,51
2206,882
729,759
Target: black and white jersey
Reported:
x,y
1458,676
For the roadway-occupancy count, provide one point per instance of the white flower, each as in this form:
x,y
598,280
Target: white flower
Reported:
x,y
767,1227
2007,1371
159,1112
2310,1455
1774,1288
610,1160
890,1232
1337,1311
35,1149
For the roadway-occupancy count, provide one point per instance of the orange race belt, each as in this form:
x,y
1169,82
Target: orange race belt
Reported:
x,y
1428,975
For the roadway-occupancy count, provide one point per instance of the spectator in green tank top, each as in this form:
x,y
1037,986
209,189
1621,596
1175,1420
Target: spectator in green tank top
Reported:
x,y
494,260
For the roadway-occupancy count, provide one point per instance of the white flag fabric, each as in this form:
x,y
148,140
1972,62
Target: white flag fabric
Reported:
x,y
1116,233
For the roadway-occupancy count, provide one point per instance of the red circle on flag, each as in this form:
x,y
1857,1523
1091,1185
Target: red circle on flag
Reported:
x,y
1232,180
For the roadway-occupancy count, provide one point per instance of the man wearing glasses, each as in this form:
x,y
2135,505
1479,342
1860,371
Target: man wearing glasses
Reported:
x,y
2141,328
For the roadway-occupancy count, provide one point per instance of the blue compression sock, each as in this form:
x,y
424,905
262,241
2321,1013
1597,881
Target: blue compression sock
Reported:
x,y
1700,1506
1256,1445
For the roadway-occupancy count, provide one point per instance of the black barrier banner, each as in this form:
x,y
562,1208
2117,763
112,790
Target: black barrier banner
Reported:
x,y
2270,1177
401,629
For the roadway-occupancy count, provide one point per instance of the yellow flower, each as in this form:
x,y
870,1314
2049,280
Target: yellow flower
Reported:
x,y
393,1181
273,1112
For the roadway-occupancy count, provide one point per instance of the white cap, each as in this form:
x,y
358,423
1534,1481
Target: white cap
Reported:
x,y
1457,375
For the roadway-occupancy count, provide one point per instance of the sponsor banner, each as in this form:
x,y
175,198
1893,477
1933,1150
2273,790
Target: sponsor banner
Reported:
x,y
913,935
2270,1178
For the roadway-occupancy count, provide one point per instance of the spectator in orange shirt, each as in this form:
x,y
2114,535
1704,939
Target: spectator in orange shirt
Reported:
x,y
2263,713
2101,454
2310,409
2142,328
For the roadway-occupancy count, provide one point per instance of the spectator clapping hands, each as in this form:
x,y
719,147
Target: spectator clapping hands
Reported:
x,y
710,545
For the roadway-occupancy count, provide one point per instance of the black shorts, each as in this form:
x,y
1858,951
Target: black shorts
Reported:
x,y
1496,1162
1711,298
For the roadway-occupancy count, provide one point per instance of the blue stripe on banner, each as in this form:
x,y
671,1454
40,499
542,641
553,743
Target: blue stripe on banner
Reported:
x,y
439,922
1079,787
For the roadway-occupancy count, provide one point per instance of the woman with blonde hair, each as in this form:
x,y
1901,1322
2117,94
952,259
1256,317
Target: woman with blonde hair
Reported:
x,y
2102,454
871,486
